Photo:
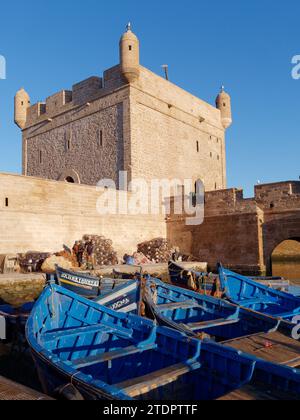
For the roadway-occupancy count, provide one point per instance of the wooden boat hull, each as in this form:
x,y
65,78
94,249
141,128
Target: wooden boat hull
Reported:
x,y
14,319
196,314
110,355
125,297
247,293
206,283
190,279
80,283
117,294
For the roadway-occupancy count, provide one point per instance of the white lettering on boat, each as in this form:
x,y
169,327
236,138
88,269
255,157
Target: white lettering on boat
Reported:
x,y
120,304
296,329
80,280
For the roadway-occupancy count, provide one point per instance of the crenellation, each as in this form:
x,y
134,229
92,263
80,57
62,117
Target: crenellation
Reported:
x,y
86,90
34,112
281,195
112,78
56,102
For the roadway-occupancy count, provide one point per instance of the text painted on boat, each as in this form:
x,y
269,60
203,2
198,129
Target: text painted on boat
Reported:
x,y
80,280
296,329
118,305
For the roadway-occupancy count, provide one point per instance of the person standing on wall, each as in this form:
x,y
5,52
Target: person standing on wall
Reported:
x,y
90,248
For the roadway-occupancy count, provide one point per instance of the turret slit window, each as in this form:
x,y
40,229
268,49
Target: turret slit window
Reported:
x,y
130,47
6,202
40,156
68,143
197,146
100,138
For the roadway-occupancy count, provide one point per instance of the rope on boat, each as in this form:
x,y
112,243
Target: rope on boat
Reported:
x,y
52,301
73,376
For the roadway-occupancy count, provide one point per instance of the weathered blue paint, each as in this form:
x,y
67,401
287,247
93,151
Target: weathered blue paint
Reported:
x,y
249,294
74,340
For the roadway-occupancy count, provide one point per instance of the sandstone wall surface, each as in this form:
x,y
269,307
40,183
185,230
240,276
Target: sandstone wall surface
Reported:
x,y
175,135
242,233
42,215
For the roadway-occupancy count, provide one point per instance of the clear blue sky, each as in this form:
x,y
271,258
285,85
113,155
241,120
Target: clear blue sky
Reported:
x,y
248,46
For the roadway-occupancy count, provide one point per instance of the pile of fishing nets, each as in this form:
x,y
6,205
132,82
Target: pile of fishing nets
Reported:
x,y
103,251
157,250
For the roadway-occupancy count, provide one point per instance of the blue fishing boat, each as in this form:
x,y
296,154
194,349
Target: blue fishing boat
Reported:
x,y
200,315
294,290
209,283
80,283
249,294
122,295
15,319
193,279
109,355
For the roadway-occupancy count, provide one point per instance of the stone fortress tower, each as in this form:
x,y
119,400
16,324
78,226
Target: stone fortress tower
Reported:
x,y
22,103
223,103
130,120
130,55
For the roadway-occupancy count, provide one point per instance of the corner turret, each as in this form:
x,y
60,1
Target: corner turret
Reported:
x,y
22,103
130,55
223,103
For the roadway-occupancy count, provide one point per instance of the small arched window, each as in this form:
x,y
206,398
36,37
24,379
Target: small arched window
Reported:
x,y
70,180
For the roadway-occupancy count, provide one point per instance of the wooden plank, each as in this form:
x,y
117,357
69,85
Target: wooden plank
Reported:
x,y
142,385
89,329
178,305
213,323
11,391
108,356
272,347
255,392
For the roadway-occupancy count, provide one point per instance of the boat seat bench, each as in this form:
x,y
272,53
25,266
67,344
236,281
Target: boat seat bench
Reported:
x,y
143,384
213,323
260,300
89,329
187,304
109,356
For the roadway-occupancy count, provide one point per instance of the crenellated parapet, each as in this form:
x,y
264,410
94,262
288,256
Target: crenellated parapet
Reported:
x,y
268,197
278,195
64,100
82,93
228,202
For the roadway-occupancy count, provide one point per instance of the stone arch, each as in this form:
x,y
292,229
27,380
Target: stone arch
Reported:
x,y
285,258
277,231
71,176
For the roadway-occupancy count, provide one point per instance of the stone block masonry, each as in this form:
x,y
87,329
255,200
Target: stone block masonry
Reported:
x,y
242,233
150,128
42,215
